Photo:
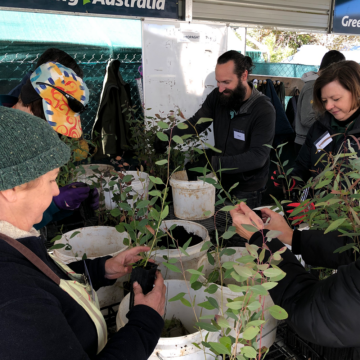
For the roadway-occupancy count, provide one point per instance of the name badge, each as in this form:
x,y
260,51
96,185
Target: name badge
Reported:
x,y
239,135
323,141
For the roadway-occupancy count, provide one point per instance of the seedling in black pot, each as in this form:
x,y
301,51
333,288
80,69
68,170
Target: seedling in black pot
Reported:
x,y
145,276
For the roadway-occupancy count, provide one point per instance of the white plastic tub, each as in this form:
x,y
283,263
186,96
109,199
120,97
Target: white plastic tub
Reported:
x,y
180,347
192,198
269,328
96,241
189,262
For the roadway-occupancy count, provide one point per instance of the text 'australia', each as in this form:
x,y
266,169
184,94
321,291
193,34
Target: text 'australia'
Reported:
x,y
140,4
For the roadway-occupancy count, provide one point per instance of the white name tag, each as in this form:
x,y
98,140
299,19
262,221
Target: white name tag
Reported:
x,y
323,141
239,135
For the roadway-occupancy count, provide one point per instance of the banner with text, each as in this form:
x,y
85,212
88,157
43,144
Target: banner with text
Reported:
x,y
347,17
140,8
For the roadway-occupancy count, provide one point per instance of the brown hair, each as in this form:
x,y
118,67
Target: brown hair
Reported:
x,y
36,108
347,73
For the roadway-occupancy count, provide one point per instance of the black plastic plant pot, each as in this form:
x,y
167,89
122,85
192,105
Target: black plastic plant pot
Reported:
x,y
145,276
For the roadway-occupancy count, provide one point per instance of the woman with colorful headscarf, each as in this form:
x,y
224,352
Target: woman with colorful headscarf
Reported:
x,y
49,310
56,94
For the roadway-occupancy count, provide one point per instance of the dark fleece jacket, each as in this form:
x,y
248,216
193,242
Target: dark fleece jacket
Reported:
x,y
40,321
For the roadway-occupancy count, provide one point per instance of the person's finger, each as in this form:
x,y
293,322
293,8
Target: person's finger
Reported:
x,y
137,250
137,288
159,281
233,212
244,208
132,260
268,212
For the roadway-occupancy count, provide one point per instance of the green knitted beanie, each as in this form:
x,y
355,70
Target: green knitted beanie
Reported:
x,y
29,148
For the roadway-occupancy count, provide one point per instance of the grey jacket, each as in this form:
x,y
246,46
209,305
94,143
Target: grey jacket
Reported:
x,y
305,115
246,157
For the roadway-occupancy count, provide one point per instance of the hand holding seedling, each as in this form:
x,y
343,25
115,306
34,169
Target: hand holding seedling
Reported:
x,y
155,298
121,264
278,222
243,215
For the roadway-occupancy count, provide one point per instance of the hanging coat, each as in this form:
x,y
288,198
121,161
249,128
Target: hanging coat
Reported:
x,y
282,125
112,113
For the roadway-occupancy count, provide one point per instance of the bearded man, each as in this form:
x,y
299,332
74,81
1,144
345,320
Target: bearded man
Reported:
x,y
244,121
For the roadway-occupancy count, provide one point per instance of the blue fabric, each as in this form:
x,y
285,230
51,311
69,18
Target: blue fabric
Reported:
x,y
282,125
16,91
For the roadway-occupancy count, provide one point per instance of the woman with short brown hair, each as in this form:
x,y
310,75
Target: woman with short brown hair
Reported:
x,y
337,98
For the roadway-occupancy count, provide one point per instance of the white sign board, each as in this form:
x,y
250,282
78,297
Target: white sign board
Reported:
x,y
179,65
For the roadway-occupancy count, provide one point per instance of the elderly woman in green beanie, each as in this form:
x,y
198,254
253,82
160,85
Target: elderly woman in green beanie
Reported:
x,y
49,310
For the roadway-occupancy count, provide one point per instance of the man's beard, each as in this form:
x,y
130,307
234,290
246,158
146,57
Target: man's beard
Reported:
x,y
234,98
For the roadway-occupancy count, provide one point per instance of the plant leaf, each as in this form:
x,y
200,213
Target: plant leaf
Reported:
x,y
203,120
251,332
178,139
172,267
207,327
161,162
74,234
334,225
57,246
182,126
243,271
277,312
162,136
177,297
220,348
163,125
249,352
185,302
213,148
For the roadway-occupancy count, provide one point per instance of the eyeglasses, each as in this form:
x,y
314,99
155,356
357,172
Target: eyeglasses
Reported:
x,y
74,104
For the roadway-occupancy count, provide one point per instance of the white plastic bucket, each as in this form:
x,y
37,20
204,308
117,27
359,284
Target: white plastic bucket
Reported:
x,y
189,262
89,177
192,198
95,241
181,347
269,328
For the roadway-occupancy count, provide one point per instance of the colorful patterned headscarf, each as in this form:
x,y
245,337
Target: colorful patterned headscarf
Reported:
x,y
57,111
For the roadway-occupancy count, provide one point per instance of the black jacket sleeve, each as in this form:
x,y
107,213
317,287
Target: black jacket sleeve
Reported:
x,y
206,111
39,325
323,312
303,161
138,338
262,132
96,268
318,249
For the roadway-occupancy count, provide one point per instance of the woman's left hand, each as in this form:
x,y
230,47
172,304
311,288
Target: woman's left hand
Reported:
x,y
121,264
244,215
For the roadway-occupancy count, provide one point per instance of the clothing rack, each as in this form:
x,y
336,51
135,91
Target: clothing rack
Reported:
x,y
291,84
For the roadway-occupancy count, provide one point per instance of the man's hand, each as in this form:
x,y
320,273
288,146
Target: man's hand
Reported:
x,y
278,222
155,298
244,215
121,264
